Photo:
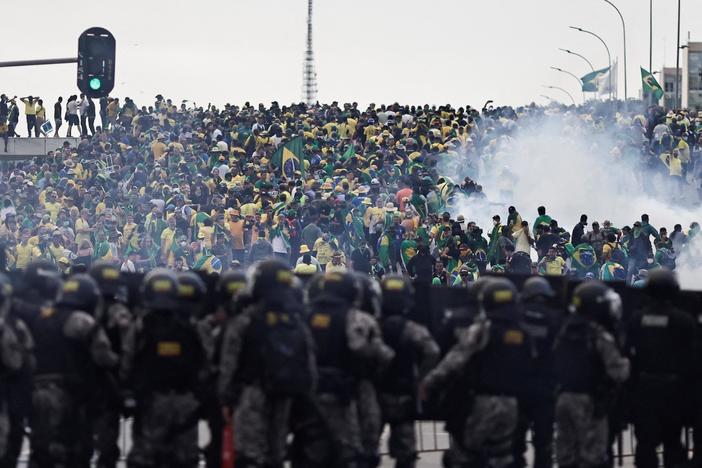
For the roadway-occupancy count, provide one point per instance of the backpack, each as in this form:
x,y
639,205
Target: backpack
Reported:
x,y
285,354
169,353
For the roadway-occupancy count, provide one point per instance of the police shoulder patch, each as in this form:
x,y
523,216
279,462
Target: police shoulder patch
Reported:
x,y
321,320
659,321
513,337
168,349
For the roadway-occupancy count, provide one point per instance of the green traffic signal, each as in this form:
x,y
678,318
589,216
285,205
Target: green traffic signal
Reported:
x,y
95,83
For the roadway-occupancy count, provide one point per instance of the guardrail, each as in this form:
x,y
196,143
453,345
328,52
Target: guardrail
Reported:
x,y
27,148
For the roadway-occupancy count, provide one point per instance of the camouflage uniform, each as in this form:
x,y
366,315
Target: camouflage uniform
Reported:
x,y
165,429
370,418
415,347
582,437
106,418
491,419
15,347
261,421
62,383
336,407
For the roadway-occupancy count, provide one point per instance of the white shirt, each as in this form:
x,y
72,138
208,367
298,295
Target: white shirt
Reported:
x,y
72,107
128,266
83,106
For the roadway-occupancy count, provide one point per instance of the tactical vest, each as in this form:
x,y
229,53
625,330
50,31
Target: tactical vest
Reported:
x,y
275,353
401,376
55,353
169,354
577,364
539,321
327,322
499,369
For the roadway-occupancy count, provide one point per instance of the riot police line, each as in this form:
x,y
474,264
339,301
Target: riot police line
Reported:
x,y
332,359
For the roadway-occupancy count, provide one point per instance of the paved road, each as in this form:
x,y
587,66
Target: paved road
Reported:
x,y
431,439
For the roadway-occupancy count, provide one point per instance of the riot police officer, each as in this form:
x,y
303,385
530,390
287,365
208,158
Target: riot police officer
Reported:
x,y
369,415
541,319
267,361
496,353
115,320
346,341
15,349
588,365
69,349
40,283
660,345
163,365
416,353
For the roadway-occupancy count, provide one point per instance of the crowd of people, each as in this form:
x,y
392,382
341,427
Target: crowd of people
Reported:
x,y
188,187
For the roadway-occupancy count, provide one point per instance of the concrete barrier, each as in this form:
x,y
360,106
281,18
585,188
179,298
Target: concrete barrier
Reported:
x,y
27,148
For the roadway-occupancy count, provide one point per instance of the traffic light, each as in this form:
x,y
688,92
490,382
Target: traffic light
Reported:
x,y
96,62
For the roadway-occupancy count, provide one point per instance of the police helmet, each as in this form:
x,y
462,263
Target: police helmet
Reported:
x,y
314,287
43,278
81,292
662,284
371,295
191,287
109,280
597,301
341,286
398,294
497,293
537,287
159,290
229,284
269,278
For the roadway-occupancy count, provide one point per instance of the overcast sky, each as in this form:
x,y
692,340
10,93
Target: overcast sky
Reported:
x,y
440,51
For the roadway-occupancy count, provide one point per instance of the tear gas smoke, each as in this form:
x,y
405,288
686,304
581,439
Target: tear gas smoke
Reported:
x,y
573,166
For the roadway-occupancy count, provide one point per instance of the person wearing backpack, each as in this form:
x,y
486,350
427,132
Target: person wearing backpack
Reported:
x,y
163,364
267,362
348,350
416,353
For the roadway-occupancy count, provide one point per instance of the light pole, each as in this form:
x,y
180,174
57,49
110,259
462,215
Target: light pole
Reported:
x,y
677,65
580,83
624,31
589,64
609,57
563,90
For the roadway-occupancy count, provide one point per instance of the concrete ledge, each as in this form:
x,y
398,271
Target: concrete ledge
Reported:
x,y
27,148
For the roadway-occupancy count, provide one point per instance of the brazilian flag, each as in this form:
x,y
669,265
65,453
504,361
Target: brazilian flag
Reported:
x,y
351,152
650,85
591,81
208,263
289,157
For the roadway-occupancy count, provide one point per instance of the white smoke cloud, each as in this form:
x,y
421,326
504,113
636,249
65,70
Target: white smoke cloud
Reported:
x,y
572,167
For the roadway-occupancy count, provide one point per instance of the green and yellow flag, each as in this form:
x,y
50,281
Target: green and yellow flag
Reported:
x,y
290,157
591,81
650,85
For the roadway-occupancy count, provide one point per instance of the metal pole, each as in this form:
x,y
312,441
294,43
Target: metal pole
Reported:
x,y
626,96
589,64
677,64
650,45
563,90
26,63
609,57
580,83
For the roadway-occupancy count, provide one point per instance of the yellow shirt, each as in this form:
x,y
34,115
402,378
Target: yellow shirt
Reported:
x,y
554,267
25,255
208,232
324,251
53,210
158,148
29,109
81,224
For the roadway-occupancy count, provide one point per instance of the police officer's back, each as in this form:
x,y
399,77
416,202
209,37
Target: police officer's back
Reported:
x,y
541,320
661,346
69,349
416,353
588,366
